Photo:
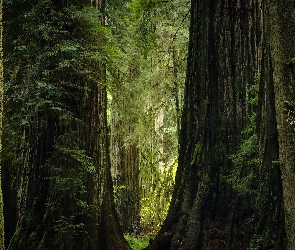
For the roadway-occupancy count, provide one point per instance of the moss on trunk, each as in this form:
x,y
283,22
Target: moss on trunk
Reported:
x,y
283,50
228,140
2,247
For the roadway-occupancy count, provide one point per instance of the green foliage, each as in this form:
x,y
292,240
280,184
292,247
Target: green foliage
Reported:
x,y
253,90
260,242
292,61
137,242
243,177
53,62
66,225
244,160
142,19
68,170
142,5
290,110
250,178
146,80
156,201
197,152
60,61
60,65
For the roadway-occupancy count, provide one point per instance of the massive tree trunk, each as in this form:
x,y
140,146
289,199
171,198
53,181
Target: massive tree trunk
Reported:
x,y
1,112
283,53
57,178
228,186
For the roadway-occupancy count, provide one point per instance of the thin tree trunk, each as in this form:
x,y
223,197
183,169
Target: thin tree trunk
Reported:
x,y
125,151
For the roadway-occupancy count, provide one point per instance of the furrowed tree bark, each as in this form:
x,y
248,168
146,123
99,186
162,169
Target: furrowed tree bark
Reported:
x,y
229,56
125,153
2,246
283,52
266,129
58,177
125,173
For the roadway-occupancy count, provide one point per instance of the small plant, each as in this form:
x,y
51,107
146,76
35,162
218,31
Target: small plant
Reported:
x,y
243,177
137,242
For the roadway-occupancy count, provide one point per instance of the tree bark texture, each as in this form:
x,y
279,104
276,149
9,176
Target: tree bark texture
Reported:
x,y
124,150
125,173
59,192
2,247
282,32
229,55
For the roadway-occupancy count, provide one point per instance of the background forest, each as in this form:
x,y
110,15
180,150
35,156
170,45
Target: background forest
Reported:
x,y
169,122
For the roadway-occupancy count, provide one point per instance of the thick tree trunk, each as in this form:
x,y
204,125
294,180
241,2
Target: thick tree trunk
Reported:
x,y
1,113
283,52
62,178
228,58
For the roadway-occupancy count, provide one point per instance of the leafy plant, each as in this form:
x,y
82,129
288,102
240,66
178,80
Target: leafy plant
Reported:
x,y
50,70
137,242
155,203
246,158
146,85
243,176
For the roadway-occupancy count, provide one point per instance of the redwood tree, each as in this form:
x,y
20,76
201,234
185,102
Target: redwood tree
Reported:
x,y
282,27
228,192
57,181
2,247
125,163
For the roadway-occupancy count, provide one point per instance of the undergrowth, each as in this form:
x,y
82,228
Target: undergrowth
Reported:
x,y
137,242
